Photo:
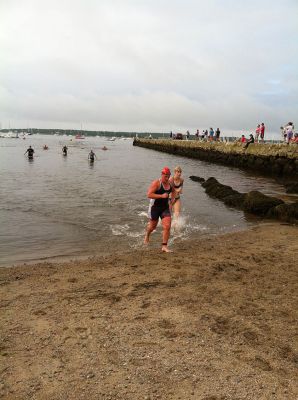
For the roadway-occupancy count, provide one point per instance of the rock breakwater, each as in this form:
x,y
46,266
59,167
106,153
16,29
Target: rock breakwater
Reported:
x,y
270,159
253,202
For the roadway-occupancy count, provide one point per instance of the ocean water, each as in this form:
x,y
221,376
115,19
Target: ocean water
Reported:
x,y
57,206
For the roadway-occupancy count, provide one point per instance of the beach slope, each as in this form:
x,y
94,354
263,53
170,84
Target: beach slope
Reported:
x,y
214,320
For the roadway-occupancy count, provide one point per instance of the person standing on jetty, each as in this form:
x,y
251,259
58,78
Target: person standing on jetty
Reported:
x,y
159,207
217,134
211,134
289,132
30,152
262,131
258,131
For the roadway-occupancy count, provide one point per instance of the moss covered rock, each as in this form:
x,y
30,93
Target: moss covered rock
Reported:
x,y
258,203
292,187
235,200
216,189
285,212
197,178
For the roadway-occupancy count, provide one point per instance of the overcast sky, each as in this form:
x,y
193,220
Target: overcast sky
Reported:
x,y
155,65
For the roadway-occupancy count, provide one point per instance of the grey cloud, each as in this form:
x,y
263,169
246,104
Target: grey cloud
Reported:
x,y
158,65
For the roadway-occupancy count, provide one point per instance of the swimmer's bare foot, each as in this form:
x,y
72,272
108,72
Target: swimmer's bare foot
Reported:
x,y
165,249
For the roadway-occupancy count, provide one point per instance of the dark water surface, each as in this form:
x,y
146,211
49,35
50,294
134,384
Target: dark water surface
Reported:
x,y
57,206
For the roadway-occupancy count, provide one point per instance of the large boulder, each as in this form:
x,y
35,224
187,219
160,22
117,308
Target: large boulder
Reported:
x,y
254,202
292,187
285,212
216,189
235,200
197,178
258,203
210,182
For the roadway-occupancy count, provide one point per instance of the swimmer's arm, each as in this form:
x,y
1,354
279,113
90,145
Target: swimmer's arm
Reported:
x,y
152,189
173,198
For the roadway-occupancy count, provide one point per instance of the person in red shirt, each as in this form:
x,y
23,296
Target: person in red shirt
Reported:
x,y
262,131
243,140
258,131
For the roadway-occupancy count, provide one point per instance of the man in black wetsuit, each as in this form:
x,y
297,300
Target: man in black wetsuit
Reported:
x,y
30,152
64,150
91,156
159,207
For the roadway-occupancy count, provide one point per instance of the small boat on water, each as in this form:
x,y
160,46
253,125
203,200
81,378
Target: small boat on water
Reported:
x,y
112,139
79,136
11,135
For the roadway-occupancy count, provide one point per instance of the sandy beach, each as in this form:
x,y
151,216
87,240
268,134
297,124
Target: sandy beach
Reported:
x,y
214,320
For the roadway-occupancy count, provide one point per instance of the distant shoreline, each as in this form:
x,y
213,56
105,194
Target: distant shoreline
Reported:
x,y
274,136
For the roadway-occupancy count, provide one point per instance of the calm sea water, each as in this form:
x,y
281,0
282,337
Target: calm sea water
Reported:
x,y
57,206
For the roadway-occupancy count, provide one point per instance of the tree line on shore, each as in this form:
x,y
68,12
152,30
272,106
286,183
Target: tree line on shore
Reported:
x,y
84,132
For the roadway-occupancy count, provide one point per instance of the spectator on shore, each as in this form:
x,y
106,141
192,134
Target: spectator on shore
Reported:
x,y
262,131
171,135
283,134
187,135
211,134
289,132
249,141
295,139
197,134
258,131
217,134
242,139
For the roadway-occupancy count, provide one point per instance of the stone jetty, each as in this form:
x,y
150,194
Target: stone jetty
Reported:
x,y
270,159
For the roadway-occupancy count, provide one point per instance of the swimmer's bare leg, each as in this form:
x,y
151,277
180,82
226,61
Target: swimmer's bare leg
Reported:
x,y
150,228
166,225
176,212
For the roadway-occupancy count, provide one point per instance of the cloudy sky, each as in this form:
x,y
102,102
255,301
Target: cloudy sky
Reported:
x,y
154,65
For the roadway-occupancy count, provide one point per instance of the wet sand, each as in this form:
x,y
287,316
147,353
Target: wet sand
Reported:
x,y
216,319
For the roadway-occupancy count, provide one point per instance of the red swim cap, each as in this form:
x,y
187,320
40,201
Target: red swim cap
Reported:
x,y
166,171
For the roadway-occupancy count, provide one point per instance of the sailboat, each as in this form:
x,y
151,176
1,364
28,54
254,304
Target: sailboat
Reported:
x,y
80,135
12,135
